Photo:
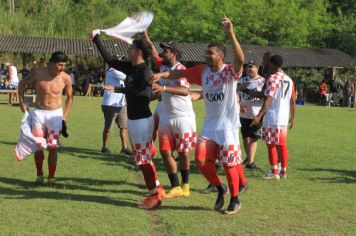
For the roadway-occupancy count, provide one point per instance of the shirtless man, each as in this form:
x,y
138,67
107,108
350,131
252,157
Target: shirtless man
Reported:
x,y
48,119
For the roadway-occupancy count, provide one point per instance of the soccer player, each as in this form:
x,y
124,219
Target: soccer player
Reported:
x,y
177,127
48,119
219,137
250,106
138,93
278,110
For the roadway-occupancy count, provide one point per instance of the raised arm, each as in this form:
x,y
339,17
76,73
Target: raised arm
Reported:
x,y
108,58
154,52
238,53
21,89
173,74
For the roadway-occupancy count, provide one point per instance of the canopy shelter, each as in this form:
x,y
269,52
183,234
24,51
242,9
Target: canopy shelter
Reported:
x,y
193,52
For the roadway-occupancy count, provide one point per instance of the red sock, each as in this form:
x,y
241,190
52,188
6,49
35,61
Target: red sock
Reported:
x,y
283,152
272,154
149,176
51,170
209,171
241,172
39,157
154,170
232,177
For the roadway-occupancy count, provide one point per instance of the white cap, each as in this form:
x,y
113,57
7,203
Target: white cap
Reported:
x,y
7,64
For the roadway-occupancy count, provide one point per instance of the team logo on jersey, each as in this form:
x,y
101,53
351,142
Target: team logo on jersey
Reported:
x,y
206,80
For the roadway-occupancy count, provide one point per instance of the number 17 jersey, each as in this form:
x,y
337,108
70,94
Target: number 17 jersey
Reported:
x,y
281,88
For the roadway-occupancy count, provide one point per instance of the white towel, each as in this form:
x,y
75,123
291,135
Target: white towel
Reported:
x,y
130,26
27,143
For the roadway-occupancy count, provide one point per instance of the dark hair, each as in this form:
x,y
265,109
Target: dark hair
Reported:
x,y
277,60
220,47
144,46
58,57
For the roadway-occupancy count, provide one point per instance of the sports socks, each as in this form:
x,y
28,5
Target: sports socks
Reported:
x,y
39,157
232,177
149,176
185,176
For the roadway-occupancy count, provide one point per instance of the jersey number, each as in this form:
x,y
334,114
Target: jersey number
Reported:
x,y
285,87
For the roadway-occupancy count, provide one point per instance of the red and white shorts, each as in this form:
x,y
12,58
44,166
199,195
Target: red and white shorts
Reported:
x,y
47,124
275,134
140,134
177,134
222,144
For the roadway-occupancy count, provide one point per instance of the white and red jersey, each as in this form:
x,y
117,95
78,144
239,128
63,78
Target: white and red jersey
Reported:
x,y
253,105
175,105
281,88
219,92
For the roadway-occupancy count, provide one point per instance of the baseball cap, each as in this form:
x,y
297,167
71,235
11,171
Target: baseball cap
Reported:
x,y
173,45
252,62
7,64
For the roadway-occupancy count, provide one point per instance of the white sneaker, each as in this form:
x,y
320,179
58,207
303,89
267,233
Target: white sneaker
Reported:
x,y
272,177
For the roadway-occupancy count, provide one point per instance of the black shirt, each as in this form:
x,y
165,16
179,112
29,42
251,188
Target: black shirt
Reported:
x,y
137,89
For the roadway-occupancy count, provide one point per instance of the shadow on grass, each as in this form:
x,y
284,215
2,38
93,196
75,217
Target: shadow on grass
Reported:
x,y
115,159
346,176
9,143
55,195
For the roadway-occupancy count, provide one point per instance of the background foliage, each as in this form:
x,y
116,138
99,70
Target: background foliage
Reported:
x,y
296,23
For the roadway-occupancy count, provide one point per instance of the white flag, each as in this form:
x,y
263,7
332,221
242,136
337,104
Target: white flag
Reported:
x,y
130,26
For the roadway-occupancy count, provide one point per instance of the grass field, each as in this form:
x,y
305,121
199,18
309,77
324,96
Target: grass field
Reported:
x,y
98,194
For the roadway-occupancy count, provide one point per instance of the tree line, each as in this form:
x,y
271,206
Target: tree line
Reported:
x,y
293,23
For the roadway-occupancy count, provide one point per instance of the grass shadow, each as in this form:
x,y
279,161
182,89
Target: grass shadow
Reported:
x,y
345,176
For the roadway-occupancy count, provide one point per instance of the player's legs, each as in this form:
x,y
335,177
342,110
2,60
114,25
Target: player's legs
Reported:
x,y
283,152
121,121
140,132
230,155
110,114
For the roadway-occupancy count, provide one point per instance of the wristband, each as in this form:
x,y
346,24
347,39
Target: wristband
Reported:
x,y
164,87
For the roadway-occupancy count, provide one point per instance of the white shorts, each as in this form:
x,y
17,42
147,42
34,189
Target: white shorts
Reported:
x,y
140,134
158,110
177,134
48,124
228,142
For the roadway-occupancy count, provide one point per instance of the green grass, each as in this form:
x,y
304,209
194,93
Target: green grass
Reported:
x,y
98,194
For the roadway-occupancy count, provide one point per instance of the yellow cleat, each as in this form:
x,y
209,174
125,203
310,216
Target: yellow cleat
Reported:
x,y
175,192
186,190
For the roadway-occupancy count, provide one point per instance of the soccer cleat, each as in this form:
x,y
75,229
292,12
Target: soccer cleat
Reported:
x,y
283,176
186,190
251,166
233,208
105,150
272,177
126,151
161,192
219,202
243,188
175,192
39,180
151,202
209,189
51,182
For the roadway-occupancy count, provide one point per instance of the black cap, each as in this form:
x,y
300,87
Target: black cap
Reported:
x,y
173,45
252,62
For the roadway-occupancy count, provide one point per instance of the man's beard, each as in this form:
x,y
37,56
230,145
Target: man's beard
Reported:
x,y
165,61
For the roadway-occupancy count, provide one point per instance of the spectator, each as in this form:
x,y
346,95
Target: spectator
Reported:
x,y
73,78
24,72
347,92
323,87
12,79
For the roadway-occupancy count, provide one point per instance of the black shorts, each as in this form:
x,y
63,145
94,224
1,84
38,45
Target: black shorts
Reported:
x,y
247,130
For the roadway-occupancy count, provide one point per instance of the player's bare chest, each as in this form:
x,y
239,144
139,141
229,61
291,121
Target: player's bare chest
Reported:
x,y
54,85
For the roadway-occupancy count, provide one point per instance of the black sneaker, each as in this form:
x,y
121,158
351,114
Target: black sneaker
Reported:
x,y
105,150
243,188
251,166
245,162
233,208
219,202
126,151
209,189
